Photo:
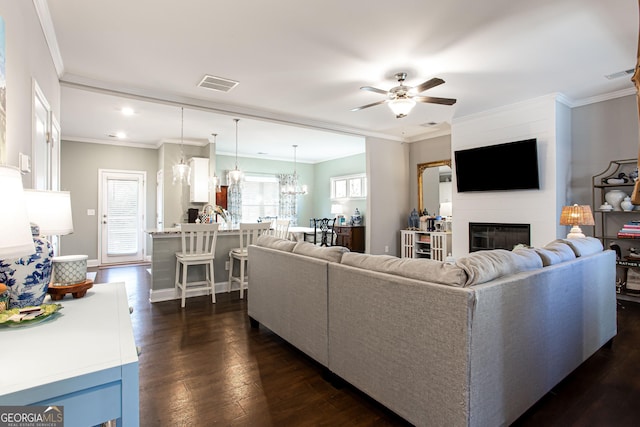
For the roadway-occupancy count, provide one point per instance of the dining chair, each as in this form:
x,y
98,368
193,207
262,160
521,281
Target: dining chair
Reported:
x,y
324,227
249,232
198,248
281,229
322,231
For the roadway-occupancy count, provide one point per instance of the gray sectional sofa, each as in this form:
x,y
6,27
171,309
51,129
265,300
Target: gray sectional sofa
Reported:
x,y
474,343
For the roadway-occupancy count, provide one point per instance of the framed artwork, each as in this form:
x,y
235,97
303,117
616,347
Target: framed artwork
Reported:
x,y
3,97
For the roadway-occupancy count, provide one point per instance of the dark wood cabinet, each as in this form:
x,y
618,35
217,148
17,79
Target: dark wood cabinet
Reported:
x,y
221,197
350,236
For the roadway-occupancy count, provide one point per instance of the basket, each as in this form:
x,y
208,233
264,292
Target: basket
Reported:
x,y
69,270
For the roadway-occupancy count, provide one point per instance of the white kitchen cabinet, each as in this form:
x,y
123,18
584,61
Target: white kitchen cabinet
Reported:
x,y
199,189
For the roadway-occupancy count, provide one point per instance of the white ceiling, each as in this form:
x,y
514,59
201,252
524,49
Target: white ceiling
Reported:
x,y
303,63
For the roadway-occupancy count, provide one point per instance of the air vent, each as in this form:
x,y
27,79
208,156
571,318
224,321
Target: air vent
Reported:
x,y
217,83
428,124
620,74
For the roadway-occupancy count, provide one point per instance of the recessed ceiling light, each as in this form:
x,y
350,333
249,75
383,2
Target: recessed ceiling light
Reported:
x,y
119,135
127,111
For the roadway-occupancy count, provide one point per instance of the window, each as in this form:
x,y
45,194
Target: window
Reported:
x,y
349,187
260,196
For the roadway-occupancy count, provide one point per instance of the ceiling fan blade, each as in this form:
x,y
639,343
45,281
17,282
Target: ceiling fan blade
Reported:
x,y
428,84
434,100
375,89
369,105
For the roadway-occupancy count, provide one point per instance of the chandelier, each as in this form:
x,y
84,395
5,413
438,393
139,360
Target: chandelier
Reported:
x,y
181,171
291,185
236,175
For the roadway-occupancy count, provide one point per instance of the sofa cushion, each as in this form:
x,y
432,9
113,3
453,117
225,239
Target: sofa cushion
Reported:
x,y
419,269
327,253
484,266
275,243
583,246
555,253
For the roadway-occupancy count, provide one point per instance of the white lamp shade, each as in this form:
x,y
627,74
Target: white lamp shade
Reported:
x,y
15,233
50,210
401,106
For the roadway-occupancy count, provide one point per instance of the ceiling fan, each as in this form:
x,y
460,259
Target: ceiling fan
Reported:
x,y
402,99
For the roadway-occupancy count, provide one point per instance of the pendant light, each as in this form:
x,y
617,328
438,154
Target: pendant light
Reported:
x,y
214,181
182,171
236,175
291,185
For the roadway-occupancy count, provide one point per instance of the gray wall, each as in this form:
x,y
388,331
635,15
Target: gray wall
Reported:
x,y
79,175
388,201
601,132
27,59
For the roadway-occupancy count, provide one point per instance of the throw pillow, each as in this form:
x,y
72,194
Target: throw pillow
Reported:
x,y
583,246
328,253
420,269
275,243
484,266
555,252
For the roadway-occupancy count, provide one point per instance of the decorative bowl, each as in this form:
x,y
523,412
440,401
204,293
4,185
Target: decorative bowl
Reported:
x,y
69,270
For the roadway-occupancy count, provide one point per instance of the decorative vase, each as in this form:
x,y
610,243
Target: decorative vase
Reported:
x,y
356,218
414,219
28,277
614,198
626,204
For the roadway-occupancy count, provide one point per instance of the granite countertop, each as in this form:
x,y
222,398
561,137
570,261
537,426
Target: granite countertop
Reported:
x,y
175,231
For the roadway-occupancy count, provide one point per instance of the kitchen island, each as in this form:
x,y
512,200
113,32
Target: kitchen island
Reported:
x,y
166,242
164,245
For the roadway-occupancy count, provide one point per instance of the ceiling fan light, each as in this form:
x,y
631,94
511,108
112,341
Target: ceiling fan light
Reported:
x,y
401,107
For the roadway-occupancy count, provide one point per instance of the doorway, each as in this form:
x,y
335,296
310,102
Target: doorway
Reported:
x,y
121,210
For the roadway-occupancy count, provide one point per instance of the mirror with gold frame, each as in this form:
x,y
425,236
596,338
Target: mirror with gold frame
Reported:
x,y
422,167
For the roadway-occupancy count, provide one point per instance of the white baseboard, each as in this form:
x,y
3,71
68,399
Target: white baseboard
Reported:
x,y
160,295
93,263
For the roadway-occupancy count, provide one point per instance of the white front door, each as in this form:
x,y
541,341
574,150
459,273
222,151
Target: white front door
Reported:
x,y
122,207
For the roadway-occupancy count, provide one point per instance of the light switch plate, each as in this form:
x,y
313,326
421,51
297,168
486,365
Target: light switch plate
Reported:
x,y
24,161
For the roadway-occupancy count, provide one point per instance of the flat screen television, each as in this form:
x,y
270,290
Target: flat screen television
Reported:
x,y
509,166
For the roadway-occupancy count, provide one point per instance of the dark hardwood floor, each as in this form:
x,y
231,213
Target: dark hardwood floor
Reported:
x,y
204,365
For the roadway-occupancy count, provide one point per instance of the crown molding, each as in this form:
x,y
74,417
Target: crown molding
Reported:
x,y
44,16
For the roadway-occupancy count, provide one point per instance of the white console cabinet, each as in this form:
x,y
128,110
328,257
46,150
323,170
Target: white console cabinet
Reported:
x,y
425,244
84,360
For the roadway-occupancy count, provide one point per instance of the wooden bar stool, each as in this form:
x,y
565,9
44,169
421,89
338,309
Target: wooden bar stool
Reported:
x,y
249,232
198,248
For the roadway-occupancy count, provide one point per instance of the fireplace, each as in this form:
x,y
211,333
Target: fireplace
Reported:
x,y
485,235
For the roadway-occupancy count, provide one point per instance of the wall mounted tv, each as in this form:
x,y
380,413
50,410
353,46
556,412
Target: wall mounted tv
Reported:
x,y
510,166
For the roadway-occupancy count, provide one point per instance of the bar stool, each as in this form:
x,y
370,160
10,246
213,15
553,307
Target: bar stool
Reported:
x,y
249,232
198,248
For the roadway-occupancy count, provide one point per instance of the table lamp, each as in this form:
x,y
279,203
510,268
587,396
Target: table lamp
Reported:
x,y
336,210
51,212
575,216
15,233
